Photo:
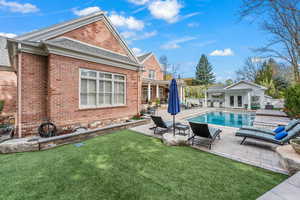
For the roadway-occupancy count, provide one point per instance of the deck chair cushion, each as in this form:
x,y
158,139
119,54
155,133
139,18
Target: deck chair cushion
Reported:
x,y
263,130
279,129
258,135
291,125
281,135
294,132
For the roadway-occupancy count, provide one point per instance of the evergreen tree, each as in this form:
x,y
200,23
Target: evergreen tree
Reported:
x,y
204,72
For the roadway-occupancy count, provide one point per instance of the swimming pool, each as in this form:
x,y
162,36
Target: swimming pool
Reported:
x,y
225,119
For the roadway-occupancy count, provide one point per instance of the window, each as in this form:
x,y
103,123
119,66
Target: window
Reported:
x,y
161,92
240,101
100,89
151,74
231,101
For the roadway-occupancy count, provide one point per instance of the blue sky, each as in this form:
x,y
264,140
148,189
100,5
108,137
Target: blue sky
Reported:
x,y
180,29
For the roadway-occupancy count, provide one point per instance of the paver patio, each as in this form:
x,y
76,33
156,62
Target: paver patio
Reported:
x,y
257,153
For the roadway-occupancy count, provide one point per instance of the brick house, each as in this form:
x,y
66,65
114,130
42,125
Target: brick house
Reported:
x,y
8,81
77,72
154,86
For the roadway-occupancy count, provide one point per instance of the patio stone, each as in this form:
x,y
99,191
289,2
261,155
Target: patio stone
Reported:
x,y
289,158
177,140
257,153
287,190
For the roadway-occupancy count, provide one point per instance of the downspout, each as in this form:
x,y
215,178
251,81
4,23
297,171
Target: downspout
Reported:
x,y
138,91
19,85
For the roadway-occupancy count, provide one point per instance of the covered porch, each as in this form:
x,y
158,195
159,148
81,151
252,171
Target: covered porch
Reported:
x,y
229,98
158,90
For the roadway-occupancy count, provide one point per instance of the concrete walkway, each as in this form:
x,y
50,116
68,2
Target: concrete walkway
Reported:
x,y
253,152
287,190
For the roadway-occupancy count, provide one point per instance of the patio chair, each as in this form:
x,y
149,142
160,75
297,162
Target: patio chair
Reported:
x,y
288,127
292,133
160,123
204,131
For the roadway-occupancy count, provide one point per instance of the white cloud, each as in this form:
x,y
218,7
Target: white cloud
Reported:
x,y
257,60
128,34
137,51
8,35
225,52
190,15
139,2
128,22
193,24
167,10
148,34
131,35
18,7
174,44
86,11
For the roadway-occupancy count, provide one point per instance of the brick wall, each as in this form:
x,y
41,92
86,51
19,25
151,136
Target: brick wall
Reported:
x,y
97,34
63,94
8,91
34,92
152,64
50,90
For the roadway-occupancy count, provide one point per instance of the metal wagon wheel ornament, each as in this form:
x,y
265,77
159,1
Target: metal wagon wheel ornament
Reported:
x,y
47,129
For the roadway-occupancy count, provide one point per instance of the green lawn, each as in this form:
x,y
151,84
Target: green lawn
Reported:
x,y
127,165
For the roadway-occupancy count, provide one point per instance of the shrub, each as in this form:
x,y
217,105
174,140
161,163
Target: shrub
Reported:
x,y
1,105
292,100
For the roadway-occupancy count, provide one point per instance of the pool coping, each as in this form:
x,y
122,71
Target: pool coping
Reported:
x,y
227,111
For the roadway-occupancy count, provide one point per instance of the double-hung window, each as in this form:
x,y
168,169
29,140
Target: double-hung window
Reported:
x,y
151,74
101,89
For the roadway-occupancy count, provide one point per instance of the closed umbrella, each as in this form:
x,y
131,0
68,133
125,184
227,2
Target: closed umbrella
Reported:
x,y
173,101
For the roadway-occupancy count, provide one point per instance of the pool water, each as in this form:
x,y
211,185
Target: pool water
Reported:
x,y
225,119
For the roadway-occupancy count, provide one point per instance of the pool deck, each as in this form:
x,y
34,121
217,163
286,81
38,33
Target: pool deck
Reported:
x,y
253,152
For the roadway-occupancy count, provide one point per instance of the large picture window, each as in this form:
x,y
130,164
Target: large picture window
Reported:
x,y
101,89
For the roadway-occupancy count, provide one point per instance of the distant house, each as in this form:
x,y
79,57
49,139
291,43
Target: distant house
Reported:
x,y
153,84
242,94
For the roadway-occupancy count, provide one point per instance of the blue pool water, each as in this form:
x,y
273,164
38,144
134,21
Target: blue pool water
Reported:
x,y
225,119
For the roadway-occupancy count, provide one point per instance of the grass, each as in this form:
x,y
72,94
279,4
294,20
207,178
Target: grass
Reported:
x,y
127,165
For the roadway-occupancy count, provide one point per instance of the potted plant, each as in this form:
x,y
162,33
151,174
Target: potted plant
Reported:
x,y
296,144
158,102
1,105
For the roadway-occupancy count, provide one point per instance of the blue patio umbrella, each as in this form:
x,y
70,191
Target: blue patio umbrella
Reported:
x,y
173,101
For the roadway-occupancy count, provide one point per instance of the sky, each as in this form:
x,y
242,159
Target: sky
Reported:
x,y
180,29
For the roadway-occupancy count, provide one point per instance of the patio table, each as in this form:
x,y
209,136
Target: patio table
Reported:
x,y
183,128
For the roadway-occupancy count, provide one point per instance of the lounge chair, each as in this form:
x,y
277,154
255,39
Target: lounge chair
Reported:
x,y
203,130
292,133
160,123
288,127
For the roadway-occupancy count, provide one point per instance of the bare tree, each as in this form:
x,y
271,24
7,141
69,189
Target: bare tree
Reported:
x,y
164,62
250,70
280,18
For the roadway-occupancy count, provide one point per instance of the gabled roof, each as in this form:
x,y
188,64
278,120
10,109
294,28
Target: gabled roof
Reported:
x,y
143,57
146,56
84,48
59,29
248,83
4,58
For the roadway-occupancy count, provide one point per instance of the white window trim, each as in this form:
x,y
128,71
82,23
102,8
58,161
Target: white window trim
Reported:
x,y
97,78
154,74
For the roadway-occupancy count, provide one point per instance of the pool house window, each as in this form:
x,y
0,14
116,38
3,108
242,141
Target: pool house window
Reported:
x,y
101,89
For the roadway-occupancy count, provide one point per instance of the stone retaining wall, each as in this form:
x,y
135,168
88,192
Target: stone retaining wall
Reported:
x,y
37,143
